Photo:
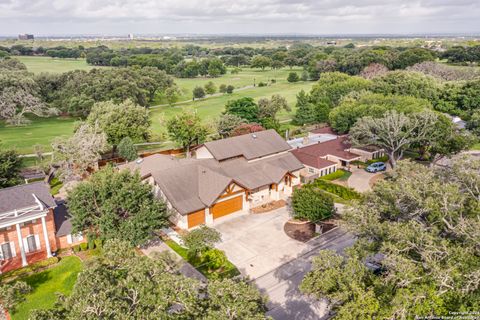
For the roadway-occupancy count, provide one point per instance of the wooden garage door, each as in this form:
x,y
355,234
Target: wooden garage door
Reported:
x,y
196,218
226,207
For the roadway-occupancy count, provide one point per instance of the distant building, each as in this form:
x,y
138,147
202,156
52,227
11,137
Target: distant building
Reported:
x,y
25,37
130,36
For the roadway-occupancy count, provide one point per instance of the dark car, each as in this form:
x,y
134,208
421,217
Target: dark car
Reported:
x,y
376,167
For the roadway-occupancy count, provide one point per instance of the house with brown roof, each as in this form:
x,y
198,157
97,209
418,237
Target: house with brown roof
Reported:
x,y
329,152
224,177
28,230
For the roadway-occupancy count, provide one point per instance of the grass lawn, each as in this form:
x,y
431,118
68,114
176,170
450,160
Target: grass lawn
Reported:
x,y
229,269
43,130
60,278
212,107
246,77
476,146
40,131
54,65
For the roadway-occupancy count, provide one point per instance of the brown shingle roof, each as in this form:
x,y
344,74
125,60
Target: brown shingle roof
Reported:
x,y
334,147
312,160
250,146
193,184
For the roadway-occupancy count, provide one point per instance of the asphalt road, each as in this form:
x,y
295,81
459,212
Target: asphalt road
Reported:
x,y
281,284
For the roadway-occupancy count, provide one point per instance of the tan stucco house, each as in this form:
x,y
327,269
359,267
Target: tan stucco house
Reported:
x,y
223,177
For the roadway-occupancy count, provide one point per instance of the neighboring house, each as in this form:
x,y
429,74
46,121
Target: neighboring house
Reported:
x,y
329,152
27,225
224,177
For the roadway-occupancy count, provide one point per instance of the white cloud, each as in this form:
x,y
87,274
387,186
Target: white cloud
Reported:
x,y
307,16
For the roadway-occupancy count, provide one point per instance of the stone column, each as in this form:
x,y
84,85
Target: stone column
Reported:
x,y
20,244
45,235
208,217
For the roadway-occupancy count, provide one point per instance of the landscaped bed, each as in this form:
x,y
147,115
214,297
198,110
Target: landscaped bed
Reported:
x,y
299,230
267,207
60,278
228,270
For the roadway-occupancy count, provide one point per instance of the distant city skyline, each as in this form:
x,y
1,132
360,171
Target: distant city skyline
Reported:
x,y
302,17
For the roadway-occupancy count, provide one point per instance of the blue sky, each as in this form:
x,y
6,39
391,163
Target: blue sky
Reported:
x,y
118,17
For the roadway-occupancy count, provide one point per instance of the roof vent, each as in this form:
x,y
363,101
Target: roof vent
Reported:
x,y
138,161
254,136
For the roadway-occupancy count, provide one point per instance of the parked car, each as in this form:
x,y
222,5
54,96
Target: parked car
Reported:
x,y
377,166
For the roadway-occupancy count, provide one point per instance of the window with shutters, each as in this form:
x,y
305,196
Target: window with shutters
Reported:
x,y
6,251
31,243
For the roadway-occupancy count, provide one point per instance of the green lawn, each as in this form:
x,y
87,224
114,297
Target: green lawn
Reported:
x,y
229,269
476,146
45,284
246,77
40,131
54,65
43,130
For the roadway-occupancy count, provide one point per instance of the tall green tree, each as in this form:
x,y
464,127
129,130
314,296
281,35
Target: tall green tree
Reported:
x,y
358,105
394,132
116,205
261,62
127,150
419,231
121,120
10,164
187,129
245,108
305,110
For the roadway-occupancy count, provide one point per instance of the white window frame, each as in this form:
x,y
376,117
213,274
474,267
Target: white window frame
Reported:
x,y
12,249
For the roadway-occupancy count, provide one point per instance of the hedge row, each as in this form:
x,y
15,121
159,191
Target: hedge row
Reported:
x,y
30,268
336,189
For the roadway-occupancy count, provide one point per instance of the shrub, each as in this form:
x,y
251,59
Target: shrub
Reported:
x,y
304,76
210,87
76,248
84,246
214,259
30,268
273,81
381,159
98,243
235,71
334,175
262,84
222,88
200,240
91,243
198,92
293,77
230,89
312,205
336,189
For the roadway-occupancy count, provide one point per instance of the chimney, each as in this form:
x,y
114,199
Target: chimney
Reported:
x,y
305,140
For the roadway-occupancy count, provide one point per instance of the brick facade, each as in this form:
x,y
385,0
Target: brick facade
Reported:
x,y
10,235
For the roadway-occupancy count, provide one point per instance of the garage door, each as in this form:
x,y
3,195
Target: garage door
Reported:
x,y
196,218
227,207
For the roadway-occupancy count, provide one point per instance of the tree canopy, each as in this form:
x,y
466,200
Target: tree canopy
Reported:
x,y
311,204
121,120
124,285
245,108
418,231
187,129
10,164
116,205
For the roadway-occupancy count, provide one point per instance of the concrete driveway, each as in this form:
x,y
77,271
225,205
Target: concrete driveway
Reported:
x,y
257,244
360,179
275,263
